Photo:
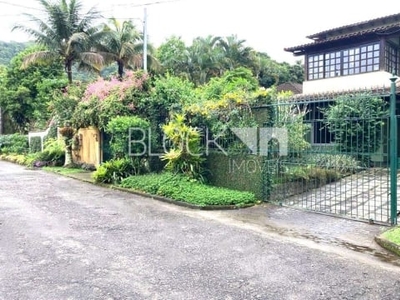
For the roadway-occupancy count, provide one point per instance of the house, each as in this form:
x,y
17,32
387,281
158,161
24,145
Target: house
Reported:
x,y
356,57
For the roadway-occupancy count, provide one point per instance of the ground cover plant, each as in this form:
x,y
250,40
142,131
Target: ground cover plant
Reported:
x,y
393,235
182,188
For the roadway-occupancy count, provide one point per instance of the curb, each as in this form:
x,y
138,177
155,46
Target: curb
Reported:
x,y
388,245
157,197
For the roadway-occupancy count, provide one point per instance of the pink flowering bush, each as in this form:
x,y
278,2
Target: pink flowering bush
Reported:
x,y
106,99
101,89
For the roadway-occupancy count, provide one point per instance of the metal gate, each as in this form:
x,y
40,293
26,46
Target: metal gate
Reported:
x,y
348,167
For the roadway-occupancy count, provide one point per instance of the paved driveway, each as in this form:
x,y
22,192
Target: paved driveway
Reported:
x,y
364,196
64,239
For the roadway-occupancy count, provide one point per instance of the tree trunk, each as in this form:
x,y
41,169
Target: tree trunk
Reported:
x,y
69,71
68,156
120,69
1,122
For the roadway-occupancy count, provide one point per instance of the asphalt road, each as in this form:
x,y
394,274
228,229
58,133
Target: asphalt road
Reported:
x,y
64,239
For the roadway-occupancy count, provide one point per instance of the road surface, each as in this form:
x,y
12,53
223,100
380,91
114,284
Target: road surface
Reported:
x,y
64,239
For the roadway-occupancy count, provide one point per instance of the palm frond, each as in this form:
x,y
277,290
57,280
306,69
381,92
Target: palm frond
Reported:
x,y
108,57
39,57
95,60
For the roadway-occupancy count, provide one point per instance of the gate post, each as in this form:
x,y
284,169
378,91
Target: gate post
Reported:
x,y
393,152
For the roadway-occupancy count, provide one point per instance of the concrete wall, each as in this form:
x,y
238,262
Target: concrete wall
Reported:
x,y
89,150
352,82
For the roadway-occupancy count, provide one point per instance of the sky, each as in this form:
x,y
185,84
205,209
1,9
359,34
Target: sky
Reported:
x,y
266,26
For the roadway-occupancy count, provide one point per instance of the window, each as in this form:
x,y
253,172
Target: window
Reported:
x,y
345,62
392,59
332,64
316,67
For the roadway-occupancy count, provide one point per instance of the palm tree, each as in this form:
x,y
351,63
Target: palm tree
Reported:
x,y
236,53
122,43
204,59
66,34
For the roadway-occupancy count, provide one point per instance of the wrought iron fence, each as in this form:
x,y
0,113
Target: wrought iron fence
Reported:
x,y
341,166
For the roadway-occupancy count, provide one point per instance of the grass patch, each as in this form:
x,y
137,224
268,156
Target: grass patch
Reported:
x,y
64,171
393,235
187,190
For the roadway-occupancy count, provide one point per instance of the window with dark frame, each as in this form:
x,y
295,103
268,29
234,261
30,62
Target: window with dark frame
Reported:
x,y
361,59
316,67
392,59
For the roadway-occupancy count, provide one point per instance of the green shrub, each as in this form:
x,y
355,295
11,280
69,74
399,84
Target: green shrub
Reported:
x,y
22,159
124,130
357,122
308,173
340,162
53,153
35,144
14,143
182,188
114,170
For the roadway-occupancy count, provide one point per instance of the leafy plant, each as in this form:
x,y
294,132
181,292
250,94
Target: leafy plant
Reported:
x,y
113,171
53,153
291,117
341,162
14,143
130,136
357,122
308,173
182,188
184,157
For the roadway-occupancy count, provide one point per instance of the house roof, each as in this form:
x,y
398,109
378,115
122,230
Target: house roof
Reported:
x,y
296,88
331,95
371,28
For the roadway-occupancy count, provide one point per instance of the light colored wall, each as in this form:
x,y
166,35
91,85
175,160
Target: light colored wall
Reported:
x,y
89,149
344,83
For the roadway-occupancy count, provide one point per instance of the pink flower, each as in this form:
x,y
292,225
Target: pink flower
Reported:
x,y
101,89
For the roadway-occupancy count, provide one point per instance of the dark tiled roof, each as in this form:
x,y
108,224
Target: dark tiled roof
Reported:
x,y
395,18
296,88
385,25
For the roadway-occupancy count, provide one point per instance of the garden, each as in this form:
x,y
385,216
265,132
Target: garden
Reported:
x,y
172,116
189,105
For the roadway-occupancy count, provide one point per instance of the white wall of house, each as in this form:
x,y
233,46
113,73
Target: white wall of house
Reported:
x,y
378,79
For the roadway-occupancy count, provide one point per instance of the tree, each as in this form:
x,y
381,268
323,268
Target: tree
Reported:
x,y
122,43
66,34
172,56
235,52
20,95
204,59
9,50
3,74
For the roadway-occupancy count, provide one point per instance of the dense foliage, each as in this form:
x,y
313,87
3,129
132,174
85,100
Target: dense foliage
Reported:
x,y
14,143
129,136
115,170
210,57
24,94
183,189
184,155
105,99
9,49
357,122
